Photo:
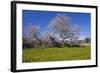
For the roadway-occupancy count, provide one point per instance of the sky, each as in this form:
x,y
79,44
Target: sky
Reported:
x,y
43,19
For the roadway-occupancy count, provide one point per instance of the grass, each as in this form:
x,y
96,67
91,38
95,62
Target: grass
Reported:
x,y
56,54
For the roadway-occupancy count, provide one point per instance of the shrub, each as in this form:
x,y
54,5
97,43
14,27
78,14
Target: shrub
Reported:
x,y
74,44
56,44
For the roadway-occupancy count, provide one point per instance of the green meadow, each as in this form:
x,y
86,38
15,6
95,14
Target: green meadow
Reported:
x,y
55,54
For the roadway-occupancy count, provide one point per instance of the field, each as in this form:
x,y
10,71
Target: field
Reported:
x,y
56,54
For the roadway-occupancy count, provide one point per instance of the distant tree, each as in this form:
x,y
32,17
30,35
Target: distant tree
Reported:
x,y
87,40
32,31
24,42
48,39
31,35
74,35
60,25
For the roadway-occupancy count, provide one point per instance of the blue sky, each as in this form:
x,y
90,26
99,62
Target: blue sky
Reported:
x,y
43,19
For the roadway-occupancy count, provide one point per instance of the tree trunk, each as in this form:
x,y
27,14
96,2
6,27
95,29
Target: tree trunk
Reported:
x,y
71,42
63,41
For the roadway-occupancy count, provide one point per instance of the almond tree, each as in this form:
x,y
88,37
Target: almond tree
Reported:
x,y
74,35
60,25
31,34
